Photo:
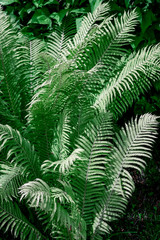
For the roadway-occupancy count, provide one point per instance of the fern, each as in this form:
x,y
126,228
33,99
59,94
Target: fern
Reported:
x,y
88,23
58,40
61,159
11,179
20,151
10,89
50,200
109,38
133,79
91,173
12,218
132,144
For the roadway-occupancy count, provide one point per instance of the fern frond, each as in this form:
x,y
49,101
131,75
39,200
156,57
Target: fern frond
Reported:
x,y
10,180
8,85
49,103
88,182
112,38
37,52
12,219
57,41
14,67
97,55
19,150
7,116
135,78
50,200
88,23
132,145
61,140
64,165
37,193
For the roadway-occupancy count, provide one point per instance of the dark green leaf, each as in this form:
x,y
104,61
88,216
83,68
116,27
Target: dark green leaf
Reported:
x,y
59,16
148,18
26,10
40,17
127,3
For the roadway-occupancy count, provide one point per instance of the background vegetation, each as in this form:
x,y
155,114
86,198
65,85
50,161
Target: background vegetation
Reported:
x,y
36,19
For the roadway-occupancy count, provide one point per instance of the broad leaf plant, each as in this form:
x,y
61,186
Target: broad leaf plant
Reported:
x,y
65,170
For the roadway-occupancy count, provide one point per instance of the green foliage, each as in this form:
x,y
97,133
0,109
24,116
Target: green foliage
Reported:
x,y
61,155
36,18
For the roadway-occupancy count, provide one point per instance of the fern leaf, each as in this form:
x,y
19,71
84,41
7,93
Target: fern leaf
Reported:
x,y
37,70
132,80
89,182
14,67
19,150
88,23
8,86
64,165
61,141
12,218
10,180
132,144
57,41
50,200
97,56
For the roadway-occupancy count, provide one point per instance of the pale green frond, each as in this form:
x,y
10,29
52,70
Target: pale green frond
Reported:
x,y
11,179
111,38
135,78
57,41
60,195
38,194
109,209
8,64
134,142
89,174
52,201
11,218
63,165
132,146
88,23
37,51
19,150
59,92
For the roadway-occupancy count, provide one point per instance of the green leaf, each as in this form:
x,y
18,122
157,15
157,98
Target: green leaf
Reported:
x,y
148,18
8,2
127,3
38,3
28,8
59,16
40,17
94,4
51,2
